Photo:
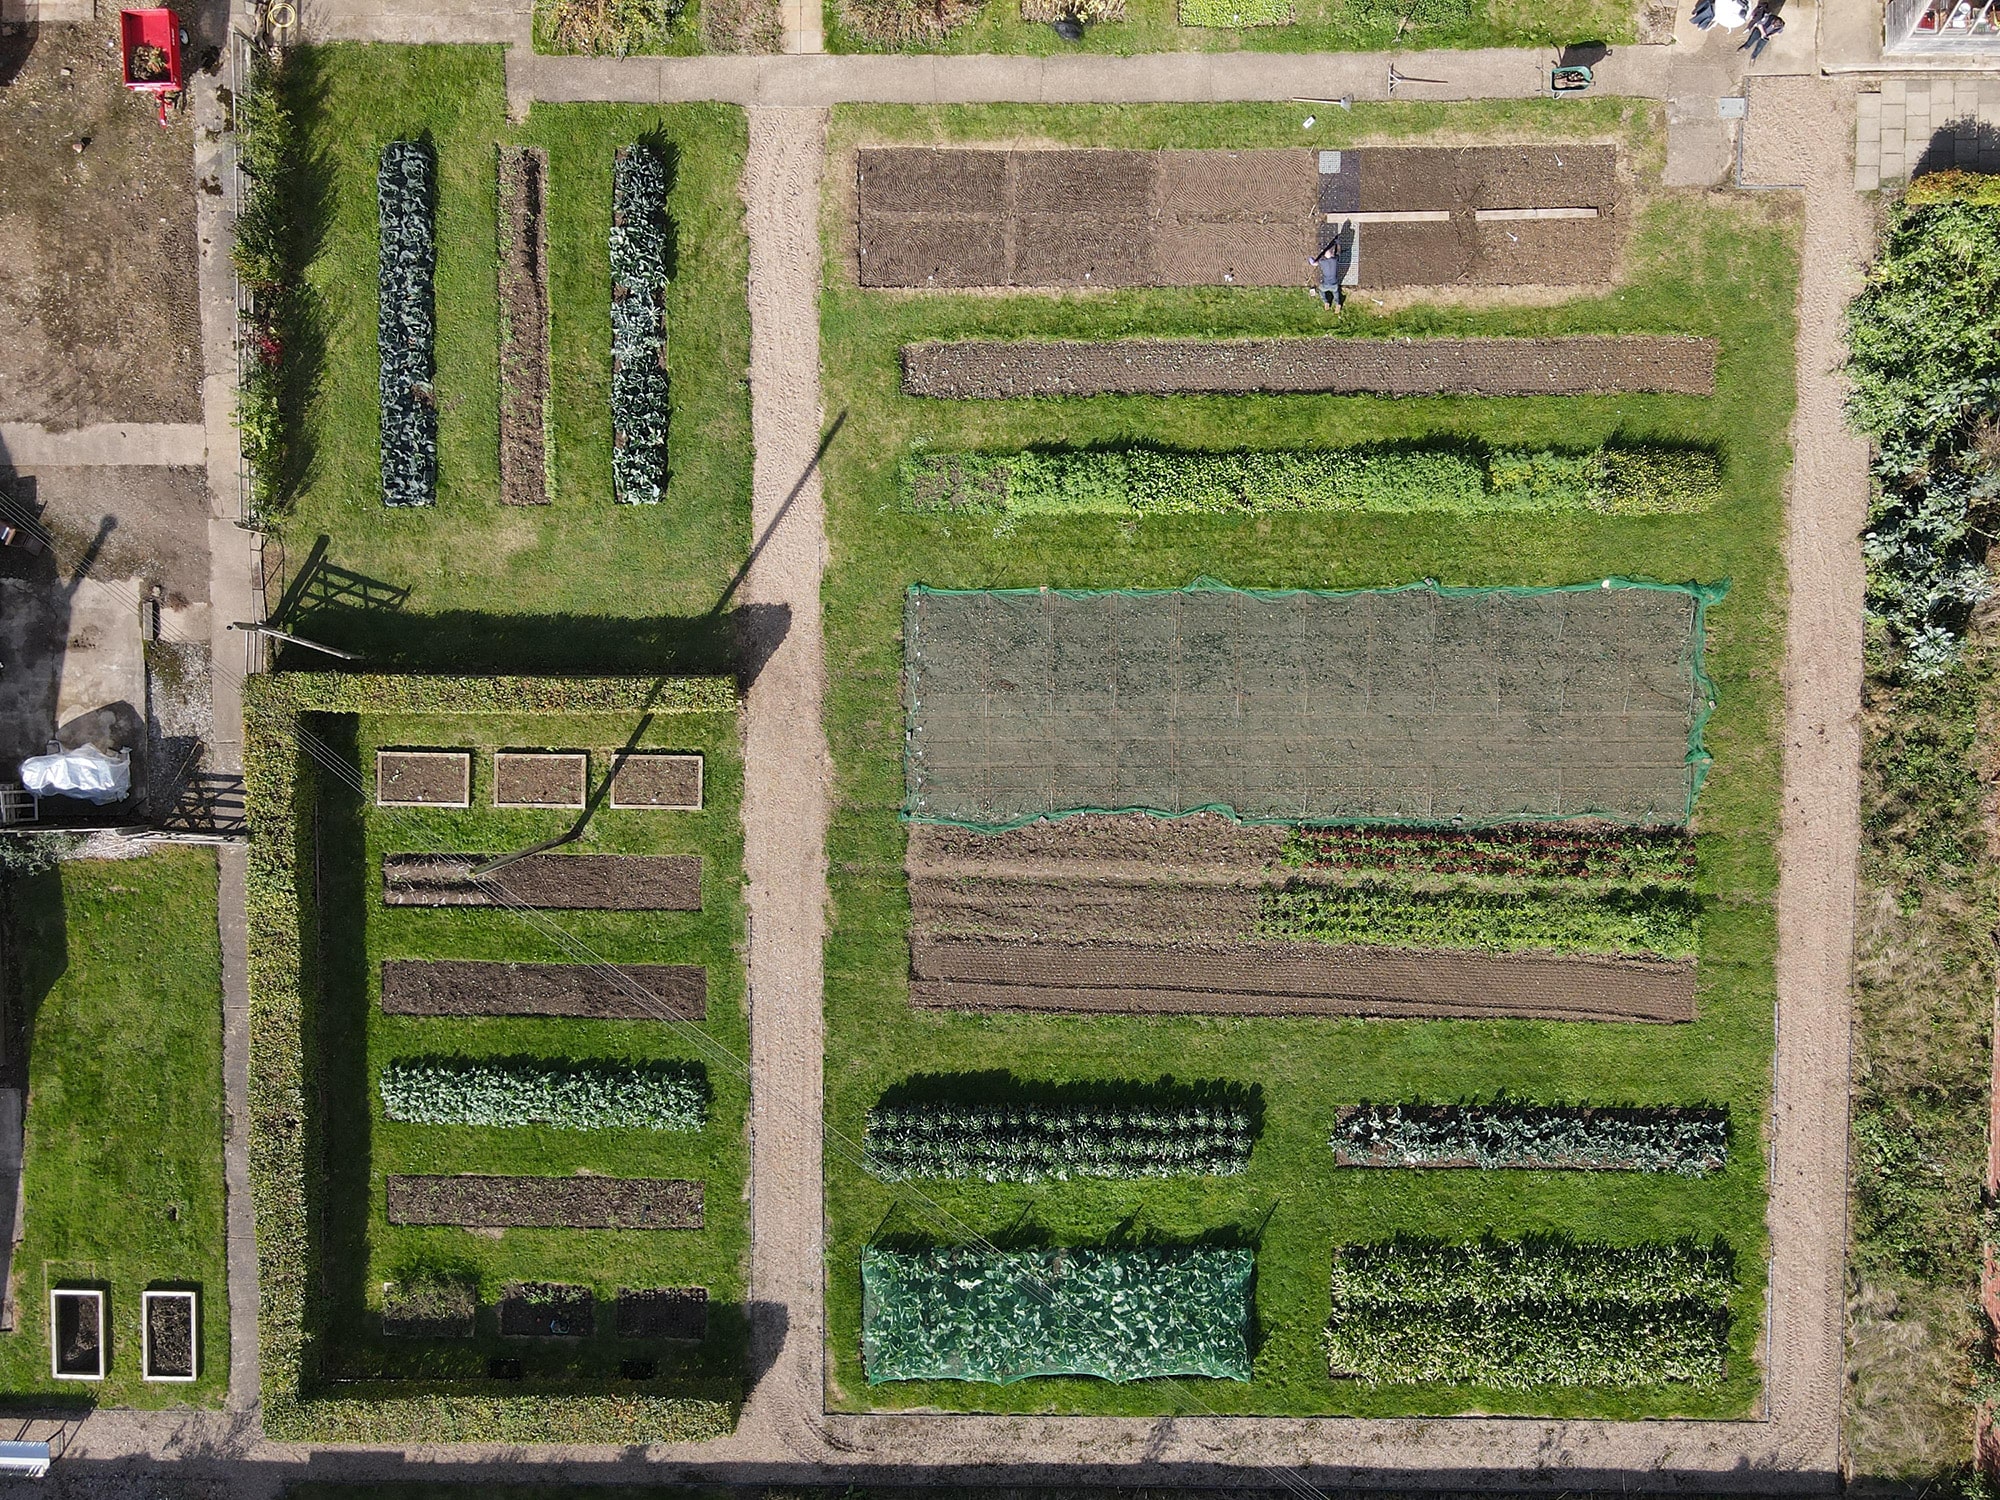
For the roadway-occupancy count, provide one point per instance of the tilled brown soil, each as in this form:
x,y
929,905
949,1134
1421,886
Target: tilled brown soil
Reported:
x,y
1291,979
661,781
423,778
459,987
671,1312
524,325
547,1309
1457,179
546,1202
977,369
79,1339
1136,844
1073,908
539,779
561,882
170,1337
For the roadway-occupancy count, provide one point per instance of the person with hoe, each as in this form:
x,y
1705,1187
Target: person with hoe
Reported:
x,y
1331,266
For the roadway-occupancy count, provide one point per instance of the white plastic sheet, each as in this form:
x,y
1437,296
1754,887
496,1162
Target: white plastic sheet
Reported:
x,y
86,773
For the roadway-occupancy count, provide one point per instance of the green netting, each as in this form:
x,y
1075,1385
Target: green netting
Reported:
x,y
956,1313
1420,704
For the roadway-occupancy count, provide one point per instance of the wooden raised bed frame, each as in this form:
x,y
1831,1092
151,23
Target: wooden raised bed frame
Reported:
x,y
160,1298
80,1297
530,761
424,761
648,764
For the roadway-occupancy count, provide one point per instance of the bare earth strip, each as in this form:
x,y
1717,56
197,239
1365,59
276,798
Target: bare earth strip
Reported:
x,y
1588,364
1284,979
524,325
546,1202
561,882
622,992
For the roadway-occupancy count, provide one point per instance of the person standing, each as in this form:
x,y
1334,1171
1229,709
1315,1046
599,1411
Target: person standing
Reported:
x,y
1331,267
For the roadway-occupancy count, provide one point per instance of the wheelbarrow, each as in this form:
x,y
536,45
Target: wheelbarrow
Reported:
x,y
1571,79
150,44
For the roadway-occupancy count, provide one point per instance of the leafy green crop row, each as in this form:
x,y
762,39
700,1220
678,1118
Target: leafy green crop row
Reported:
x,y
1032,1141
564,1096
1646,921
952,1313
639,325
1461,478
1625,856
1688,1141
406,326
1530,1312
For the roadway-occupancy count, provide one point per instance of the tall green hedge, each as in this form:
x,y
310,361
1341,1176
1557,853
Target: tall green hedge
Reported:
x,y
280,784
1461,478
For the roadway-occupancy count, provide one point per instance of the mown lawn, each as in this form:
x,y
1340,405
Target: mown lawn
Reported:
x,y
362,1249
1695,266
118,971
586,584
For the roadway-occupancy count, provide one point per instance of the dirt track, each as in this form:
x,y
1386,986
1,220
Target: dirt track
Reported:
x,y
524,325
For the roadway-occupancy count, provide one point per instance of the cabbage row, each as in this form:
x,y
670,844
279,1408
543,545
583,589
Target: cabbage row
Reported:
x,y
1690,1142
1043,1141
406,324
638,325
950,1313
561,1095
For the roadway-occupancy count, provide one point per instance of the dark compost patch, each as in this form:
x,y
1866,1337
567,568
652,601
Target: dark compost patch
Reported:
x,y
524,778
560,882
79,1335
1579,366
462,987
524,326
660,781
476,1202
547,1309
170,1338
423,778
671,1312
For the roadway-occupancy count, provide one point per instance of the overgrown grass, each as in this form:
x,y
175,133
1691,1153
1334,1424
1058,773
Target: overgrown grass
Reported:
x,y
1697,266
588,584
118,972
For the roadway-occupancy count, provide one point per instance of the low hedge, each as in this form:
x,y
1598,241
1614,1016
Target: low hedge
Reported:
x,y
1460,478
955,1313
516,1091
1649,921
1687,1141
1161,1131
406,324
280,783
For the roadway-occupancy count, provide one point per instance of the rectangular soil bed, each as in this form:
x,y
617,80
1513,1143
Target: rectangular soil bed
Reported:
x,y
1276,979
423,778
976,369
666,782
76,1334
461,987
524,325
559,882
431,1307
670,1312
537,778
475,1202
170,1336
547,1309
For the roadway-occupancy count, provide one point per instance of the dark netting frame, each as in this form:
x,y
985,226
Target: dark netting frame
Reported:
x,y
1483,705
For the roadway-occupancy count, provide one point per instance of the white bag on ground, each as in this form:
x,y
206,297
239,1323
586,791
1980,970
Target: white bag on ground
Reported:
x,y
85,772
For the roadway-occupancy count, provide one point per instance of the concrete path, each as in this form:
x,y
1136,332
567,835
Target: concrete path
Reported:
x,y
29,445
816,82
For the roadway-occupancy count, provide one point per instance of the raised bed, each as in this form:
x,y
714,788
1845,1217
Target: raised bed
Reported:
x,y
406,330
670,1312
547,1309
1278,979
479,1202
423,778
639,390
79,1335
559,882
540,778
430,1307
665,782
1587,364
628,992
170,1335
524,326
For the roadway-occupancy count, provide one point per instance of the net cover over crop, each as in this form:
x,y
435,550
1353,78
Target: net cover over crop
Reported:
x,y
1420,704
951,1313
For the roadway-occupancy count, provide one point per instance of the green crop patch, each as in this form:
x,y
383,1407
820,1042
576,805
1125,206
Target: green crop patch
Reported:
x,y
1622,856
518,1091
1648,922
1689,1141
950,1313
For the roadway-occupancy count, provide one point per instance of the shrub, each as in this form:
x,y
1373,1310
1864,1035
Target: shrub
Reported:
x,y
906,23
1237,12
1163,1131
613,28
406,325
953,1313
1460,478
1084,12
1531,1312
1689,1142
563,1096
1652,856
266,256
1955,185
638,325
1647,921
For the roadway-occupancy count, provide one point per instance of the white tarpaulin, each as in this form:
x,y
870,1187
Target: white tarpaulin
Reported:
x,y
86,772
